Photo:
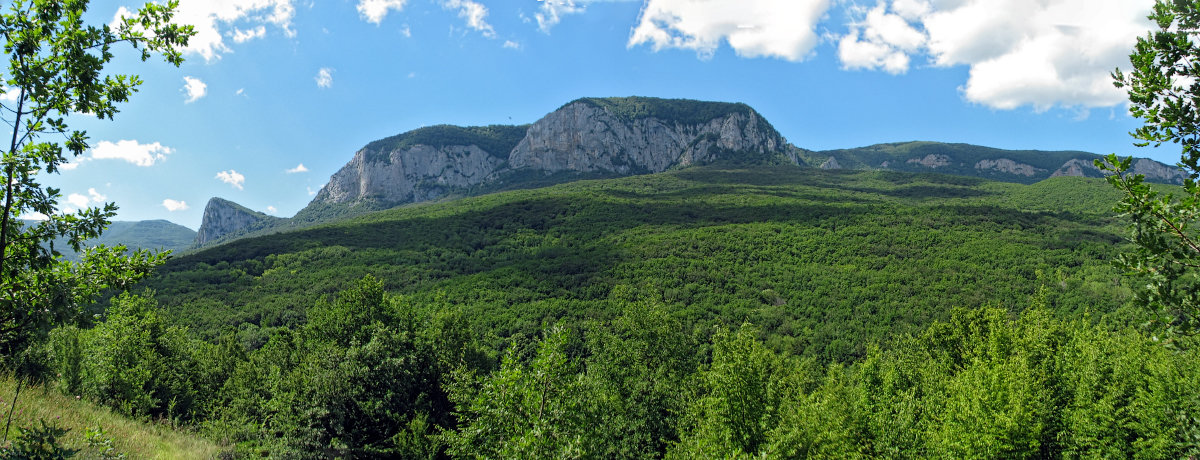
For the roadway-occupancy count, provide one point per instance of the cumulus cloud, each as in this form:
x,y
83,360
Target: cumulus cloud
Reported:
x,y
324,77
753,28
474,13
232,178
374,11
194,88
271,210
552,11
213,22
77,201
512,45
174,205
96,196
9,95
1039,53
883,40
241,36
131,151
298,169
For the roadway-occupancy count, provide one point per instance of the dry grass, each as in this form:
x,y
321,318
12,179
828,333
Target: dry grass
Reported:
x,y
131,437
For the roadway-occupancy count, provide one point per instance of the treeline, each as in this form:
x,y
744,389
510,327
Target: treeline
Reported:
x,y
372,375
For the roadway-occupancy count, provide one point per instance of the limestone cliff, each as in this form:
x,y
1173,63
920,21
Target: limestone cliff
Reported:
x,y
413,174
223,217
609,135
587,136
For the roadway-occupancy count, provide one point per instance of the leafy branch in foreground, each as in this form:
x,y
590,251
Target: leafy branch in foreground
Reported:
x,y
1164,91
56,70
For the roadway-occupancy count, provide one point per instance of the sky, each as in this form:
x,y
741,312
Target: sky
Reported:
x,y
277,95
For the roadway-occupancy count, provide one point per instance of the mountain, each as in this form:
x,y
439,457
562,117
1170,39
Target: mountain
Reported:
x,y
225,219
146,234
595,138
622,136
1021,166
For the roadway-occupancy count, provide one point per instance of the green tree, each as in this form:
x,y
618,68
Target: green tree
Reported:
x,y
56,68
1164,91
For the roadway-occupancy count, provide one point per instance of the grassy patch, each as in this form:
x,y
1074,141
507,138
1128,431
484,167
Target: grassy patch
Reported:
x,y
134,438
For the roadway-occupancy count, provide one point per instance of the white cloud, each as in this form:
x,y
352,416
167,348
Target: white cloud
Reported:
x,y
174,205
474,13
374,11
96,196
311,192
241,36
70,166
35,216
1039,53
194,88
233,178
552,12
211,17
406,31
9,95
324,77
753,28
298,169
77,201
131,151
512,45
883,40
271,210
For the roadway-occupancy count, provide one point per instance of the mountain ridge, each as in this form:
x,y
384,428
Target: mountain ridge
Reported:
x,y
610,137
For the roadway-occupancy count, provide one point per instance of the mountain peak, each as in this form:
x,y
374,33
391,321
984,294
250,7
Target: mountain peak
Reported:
x,y
224,218
621,136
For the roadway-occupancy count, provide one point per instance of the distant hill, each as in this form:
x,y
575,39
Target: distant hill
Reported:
x,y
1022,166
146,234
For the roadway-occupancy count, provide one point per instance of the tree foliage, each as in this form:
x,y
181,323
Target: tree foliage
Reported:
x,y
56,70
1164,91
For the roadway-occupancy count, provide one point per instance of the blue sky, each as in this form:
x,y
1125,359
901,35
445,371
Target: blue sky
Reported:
x,y
271,85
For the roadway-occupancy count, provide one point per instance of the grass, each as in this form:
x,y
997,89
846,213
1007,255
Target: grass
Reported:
x,y
135,439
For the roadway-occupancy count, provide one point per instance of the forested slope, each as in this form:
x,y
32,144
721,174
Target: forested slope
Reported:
x,y
824,261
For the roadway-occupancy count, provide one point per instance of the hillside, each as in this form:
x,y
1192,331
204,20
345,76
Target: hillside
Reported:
x,y
127,437
146,234
1022,166
825,261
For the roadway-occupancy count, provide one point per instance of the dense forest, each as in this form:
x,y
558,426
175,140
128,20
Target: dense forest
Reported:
x,y
705,312
744,309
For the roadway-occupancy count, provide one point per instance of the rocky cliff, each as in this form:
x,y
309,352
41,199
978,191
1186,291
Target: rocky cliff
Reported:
x,y
223,218
1024,166
588,135
611,135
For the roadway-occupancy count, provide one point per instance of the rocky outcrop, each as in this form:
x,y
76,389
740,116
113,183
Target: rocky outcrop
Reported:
x,y
621,135
831,163
931,161
1008,166
584,137
1077,168
413,174
1157,172
223,217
